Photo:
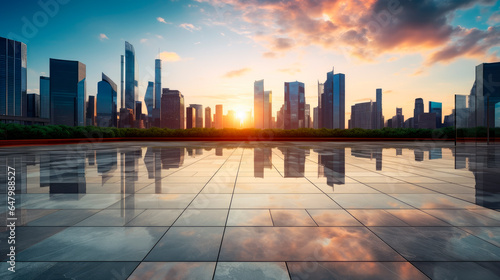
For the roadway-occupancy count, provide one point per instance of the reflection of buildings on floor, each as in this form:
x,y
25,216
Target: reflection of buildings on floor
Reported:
x,y
218,152
331,164
106,161
67,173
435,153
419,154
262,158
152,160
295,160
484,162
399,151
373,153
172,157
129,175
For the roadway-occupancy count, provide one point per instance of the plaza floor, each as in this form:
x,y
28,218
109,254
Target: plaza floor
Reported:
x,y
253,210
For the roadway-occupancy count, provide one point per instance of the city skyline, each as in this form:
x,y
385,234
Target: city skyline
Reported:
x,y
242,58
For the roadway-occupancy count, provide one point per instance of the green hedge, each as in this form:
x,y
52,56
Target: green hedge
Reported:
x,y
16,131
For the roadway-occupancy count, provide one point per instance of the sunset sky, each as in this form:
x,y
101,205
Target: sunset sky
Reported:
x,y
213,50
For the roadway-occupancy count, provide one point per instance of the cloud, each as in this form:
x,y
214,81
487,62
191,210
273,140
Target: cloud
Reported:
x,y
169,56
361,29
103,37
159,36
189,27
143,40
269,54
162,20
237,73
494,18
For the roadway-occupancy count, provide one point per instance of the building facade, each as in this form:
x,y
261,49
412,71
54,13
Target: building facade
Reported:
x,y
131,76
294,113
13,78
172,109
107,103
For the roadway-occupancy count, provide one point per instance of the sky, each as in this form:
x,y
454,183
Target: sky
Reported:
x,y
214,50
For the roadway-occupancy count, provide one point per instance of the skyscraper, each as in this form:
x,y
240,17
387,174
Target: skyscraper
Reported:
x,y
91,111
44,97
190,117
149,98
419,109
33,105
13,78
399,119
436,107
67,92
131,77
487,92
294,114
157,89
172,109
361,115
219,117
122,83
198,115
106,107
208,117
379,118
333,101
319,120
307,116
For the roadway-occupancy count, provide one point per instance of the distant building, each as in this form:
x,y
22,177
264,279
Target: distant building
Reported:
x,y
13,78
294,114
91,111
333,101
262,106
107,103
280,118
67,92
409,123
149,98
419,109
361,115
44,97
199,115
127,119
316,118
399,119
307,117
319,120
437,108
208,117
427,121
218,119
449,120
157,86
190,117
131,77
486,90
379,117
33,105
172,109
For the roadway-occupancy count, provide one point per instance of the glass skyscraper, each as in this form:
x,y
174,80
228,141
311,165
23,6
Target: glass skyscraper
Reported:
x,y
149,98
437,108
157,90
419,110
172,109
294,114
106,106
333,101
13,80
379,118
198,114
67,92
131,77
44,97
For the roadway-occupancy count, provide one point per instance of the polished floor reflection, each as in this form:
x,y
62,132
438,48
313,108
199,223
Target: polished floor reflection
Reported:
x,y
262,210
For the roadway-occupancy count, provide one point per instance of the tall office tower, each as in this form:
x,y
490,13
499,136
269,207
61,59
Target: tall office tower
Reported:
x,y
294,114
419,109
190,117
122,83
91,111
258,104
219,124
399,119
172,109
68,92
379,118
267,113
157,89
106,107
307,116
33,105
208,117
131,76
333,101
437,107
487,91
138,110
127,119
321,91
361,115
13,78
199,115
149,98
44,97
316,117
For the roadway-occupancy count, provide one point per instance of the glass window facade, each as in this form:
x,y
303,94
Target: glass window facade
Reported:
x,y
106,106
13,77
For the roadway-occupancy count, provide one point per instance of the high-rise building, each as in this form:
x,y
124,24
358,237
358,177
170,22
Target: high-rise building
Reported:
x,y
319,120
157,88
427,121
149,98
198,115
131,76
44,97
107,103
436,107
91,111
127,119
379,118
361,115
333,101
190,117
419,109
67,92
294,114
399,119
316,118
307,116
33,105
219,124
122,83
172,109
262,106
487,93
13,78
208,117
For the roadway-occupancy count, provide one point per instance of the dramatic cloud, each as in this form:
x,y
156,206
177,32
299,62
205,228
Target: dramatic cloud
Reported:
x,y
363,29
169,56
237,73
189,27
162,20
103,37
